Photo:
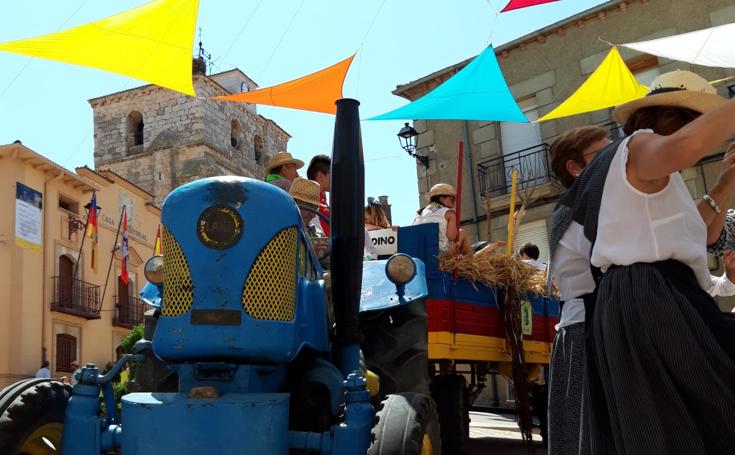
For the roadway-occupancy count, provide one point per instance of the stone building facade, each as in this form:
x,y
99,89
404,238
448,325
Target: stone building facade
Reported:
x,y
542,69
160,139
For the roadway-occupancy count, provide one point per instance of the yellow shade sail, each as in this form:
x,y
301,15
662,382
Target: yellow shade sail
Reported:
x,y
610,84
152,43
315,92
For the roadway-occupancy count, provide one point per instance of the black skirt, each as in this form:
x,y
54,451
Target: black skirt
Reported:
x,y
660,375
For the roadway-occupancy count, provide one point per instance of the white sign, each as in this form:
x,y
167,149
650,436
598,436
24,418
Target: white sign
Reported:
x,y
28,210
385,241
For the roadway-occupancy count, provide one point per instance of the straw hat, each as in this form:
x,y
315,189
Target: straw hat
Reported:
x,y
305,190
442,189
281,158
676,89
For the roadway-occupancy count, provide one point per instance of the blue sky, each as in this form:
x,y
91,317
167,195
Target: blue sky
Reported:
x,y
44,104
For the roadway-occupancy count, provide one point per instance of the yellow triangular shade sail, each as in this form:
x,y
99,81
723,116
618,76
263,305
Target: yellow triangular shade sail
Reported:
x,y
152,43
610,84
315,92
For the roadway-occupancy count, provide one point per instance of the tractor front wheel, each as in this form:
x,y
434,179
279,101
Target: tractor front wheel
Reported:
x,y
32,417
407,424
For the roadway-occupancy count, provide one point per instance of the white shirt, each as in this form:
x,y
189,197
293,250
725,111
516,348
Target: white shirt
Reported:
x,y
434,213
571,268
536,264
43,373
634,226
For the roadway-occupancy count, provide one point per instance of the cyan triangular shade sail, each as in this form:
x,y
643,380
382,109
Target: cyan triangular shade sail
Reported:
x,y
477,92
152,42
518,4
609,85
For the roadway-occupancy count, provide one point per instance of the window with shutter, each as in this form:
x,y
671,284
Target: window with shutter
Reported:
x,y
534,232
66,351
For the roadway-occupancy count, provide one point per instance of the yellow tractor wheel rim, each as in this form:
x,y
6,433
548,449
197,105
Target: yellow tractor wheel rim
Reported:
x,y
426,447
45,440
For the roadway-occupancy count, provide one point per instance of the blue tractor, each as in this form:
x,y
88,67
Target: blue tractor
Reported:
x,y
247,352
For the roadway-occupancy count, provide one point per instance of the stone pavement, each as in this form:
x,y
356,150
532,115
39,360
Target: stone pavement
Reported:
x,y
498,434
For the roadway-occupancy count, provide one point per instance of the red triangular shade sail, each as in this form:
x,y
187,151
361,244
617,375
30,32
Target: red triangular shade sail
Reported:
x,y
315,92
518,4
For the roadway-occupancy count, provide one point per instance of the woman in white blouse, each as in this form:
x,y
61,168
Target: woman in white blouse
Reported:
x,y
662,355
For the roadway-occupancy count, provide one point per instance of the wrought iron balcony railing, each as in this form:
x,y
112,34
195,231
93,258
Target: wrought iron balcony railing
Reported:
x,y
533,169
76,297
128,311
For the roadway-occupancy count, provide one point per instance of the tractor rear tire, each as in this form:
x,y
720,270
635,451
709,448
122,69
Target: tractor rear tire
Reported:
x,y
407,423
453,402
32,411
396,348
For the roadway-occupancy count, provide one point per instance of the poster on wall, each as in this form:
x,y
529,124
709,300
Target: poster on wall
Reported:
x,y
28,209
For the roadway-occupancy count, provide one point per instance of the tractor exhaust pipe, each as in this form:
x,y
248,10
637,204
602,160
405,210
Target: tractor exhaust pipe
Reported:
x,y
347,194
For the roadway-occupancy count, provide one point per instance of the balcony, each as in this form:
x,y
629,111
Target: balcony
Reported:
x,y
128,311
76,297
533,170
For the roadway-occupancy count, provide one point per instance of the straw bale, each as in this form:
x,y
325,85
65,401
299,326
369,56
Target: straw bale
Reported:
x,y
495,270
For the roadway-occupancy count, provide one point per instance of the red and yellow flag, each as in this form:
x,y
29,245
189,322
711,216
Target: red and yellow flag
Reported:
x,y
93,229
124,252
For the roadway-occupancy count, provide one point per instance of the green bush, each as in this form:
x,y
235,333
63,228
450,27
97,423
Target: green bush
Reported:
x,y
129,341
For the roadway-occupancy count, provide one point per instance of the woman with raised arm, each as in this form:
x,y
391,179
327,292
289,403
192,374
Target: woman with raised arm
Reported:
x,y
661,354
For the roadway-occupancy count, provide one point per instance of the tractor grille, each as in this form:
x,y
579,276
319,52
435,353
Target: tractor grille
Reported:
x,y
177,289
270,289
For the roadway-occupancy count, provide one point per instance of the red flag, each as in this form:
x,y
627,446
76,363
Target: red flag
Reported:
x,y
518,4
92,229
124,249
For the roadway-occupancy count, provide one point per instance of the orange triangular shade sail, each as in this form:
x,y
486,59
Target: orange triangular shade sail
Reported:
x,y
610,84
315,92
152,42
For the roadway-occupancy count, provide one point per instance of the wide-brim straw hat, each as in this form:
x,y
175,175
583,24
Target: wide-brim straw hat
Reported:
x,y
442,189
281,158
305,190
675,89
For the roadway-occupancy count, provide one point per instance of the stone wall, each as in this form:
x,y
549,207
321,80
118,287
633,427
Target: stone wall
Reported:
x,y
184,138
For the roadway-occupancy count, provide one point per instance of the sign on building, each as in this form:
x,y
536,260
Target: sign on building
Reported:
x,y
28,217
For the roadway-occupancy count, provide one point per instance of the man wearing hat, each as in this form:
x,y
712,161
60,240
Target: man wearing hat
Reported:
x,y
660,354
440,210
282,170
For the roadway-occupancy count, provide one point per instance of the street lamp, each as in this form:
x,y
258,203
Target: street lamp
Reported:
x,y
76,224
407,136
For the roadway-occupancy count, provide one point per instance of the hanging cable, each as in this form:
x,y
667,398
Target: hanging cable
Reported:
x,y
28,62
360,49
293,18
242,29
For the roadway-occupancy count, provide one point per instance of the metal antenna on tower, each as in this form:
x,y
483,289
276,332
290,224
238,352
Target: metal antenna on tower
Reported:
x,y
204,56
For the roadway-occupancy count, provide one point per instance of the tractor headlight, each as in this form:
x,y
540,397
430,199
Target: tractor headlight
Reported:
x,y
153,269
400,268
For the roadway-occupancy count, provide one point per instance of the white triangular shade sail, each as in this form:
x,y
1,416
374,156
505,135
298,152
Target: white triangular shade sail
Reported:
x,y
713,46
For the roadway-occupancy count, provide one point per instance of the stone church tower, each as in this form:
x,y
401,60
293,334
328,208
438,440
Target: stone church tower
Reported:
x,y
160,139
